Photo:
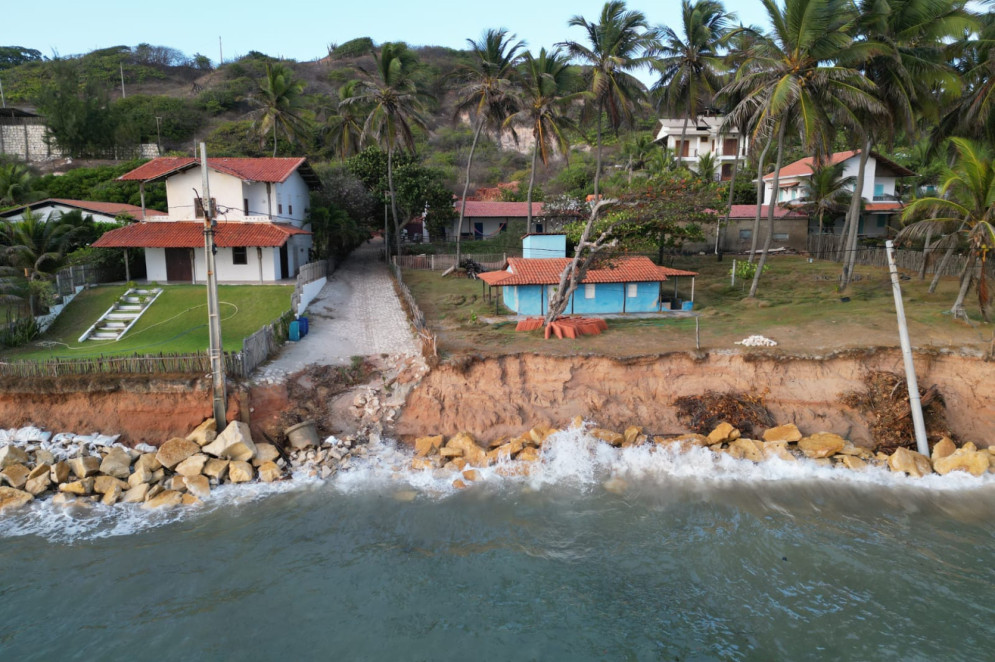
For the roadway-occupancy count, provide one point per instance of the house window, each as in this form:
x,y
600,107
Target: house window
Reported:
x,y
730,146
589,290
632,290
878,190
290,209
245,206
881,222
745,234
279,208
780,236
239,255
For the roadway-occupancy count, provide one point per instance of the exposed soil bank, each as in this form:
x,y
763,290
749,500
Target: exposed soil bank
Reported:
x,y
491,397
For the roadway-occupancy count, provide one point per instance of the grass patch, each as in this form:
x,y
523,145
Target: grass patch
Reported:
x,y
450,301
175,324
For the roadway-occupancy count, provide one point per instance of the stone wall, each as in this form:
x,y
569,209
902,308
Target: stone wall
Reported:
x,y
27,141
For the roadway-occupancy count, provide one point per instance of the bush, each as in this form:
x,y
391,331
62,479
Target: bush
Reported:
x,y
353,48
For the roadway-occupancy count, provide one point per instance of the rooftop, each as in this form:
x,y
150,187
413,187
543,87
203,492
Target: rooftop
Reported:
x,y
94,207
190,234
546,271
804,167
274,170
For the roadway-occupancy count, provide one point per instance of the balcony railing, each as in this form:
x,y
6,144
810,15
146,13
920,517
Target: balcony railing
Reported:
x,y
887,198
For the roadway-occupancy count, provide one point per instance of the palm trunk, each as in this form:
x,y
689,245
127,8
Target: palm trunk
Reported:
x,y
957,310
770,209
466,186
760,200
393,197
732,192
925,250
532,181
274,139
684,135
853,218
597,171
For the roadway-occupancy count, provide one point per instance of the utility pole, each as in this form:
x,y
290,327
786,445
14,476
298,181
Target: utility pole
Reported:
x,y
910,369
221,53
213,318
158,134
123,95
2,100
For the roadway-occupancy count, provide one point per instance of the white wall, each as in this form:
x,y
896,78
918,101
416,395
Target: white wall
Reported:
x,y
225,189
292,193
155,264
308,293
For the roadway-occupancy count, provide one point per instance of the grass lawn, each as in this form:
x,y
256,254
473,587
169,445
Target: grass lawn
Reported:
x,y
176,323
797,305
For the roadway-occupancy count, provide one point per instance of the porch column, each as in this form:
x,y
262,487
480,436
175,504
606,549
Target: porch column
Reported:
x,y
625,295
127,268
692,289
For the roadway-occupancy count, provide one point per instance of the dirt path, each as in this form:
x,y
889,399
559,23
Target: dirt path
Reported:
x,y
357,313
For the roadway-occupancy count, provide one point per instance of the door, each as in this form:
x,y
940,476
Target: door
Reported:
x,y
284,267
478,230
179,265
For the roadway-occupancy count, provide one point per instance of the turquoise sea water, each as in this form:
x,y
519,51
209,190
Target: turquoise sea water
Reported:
x,y
691,559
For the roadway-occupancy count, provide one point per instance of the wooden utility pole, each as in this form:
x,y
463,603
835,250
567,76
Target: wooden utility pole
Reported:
x,y
213,317
123,95
910,369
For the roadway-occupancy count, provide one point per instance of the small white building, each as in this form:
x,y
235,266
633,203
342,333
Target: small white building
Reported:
x,y
879,192
485,219
102,212
261,207
704,134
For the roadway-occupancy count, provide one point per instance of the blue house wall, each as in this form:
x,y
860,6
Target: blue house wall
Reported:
x,y
544,245
608,298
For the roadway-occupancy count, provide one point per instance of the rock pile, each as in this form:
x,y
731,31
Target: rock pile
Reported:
x,y
182,471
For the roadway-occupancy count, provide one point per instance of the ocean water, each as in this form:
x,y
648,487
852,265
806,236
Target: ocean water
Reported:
x,y
685,557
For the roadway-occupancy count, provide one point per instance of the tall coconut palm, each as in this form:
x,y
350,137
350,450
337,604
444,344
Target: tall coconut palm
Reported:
x,y
17,185
544,99
279,100
344,129
967,197
395,109
691,62
485,90
973,113
793,77
35,246
616,45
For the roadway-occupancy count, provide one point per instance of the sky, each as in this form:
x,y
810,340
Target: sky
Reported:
x,y
303,30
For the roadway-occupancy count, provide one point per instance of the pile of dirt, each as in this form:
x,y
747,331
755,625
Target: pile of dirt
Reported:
x,y
311,390
884,402
744,411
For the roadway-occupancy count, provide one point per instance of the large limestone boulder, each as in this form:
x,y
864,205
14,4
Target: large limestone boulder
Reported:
x,y
215,468
11,454
165,499
943,448
265,453
853,462
112,496
175,451
105,484
116,463
822,444
42,456
199,486
234,443
269,472
136,494
80,487
789,433
723,432
914,464
11,499
85,466
148,461
141,475
204,433
426,445
748,449
240,471
473,453
778,449
193,465
60,472
38,484
974,462
15,475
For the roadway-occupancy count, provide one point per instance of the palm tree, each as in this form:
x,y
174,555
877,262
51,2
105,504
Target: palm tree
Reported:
x,y
35,246
705,168
485,89
785,81
17,185
973,114
967,197
344,129
395,108
544,100
826,191
279,100
637,151
690,64
615,46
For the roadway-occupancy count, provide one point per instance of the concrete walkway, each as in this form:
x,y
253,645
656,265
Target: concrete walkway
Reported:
x,y
356,313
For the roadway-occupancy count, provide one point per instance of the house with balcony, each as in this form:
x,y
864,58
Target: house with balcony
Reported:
x,y
704,134
880,189
261,206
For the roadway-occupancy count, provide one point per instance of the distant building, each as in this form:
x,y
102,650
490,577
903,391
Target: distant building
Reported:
x,y
704,134
485,219
102,212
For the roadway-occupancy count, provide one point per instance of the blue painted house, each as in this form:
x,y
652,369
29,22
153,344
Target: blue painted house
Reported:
x,y
625,285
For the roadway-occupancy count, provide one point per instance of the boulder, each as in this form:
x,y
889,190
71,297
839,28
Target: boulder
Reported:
x,y
38,484
822,444
943,448
11,454
175,451
78,487
853,462
473,453
215,468
40,469
165,499
577,423
265,453
111,496
176,483
149,461
789,433
62,499
192,466
539,433
608,436
528,454
198,485
459,484
105,484
204,433
141,475
778,449
60,472
615,485
505,452
723,433
269,472
136,494
426,445
914,464
85,466
471,475
750,449
421,464
42,456
116,463
15,475
234,443
445,451
849,448
190,500
974,462
455,464
11,499
240,471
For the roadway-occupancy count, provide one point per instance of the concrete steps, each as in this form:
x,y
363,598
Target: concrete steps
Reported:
x,y
120,317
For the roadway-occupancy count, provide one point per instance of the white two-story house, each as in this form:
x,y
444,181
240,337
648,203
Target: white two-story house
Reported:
x,y
704,134
879,191
261,207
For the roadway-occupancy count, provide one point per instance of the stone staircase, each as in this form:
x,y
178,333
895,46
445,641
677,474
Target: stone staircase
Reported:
x,y
120,317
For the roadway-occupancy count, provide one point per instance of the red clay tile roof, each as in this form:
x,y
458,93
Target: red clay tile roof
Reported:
x,y
106,208
253,170
484,209
804,167
750,211
883,206
190,234
546,271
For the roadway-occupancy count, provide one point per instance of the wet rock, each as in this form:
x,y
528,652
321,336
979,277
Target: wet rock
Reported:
x,y
853,462
943,448
175,451
269,472
615,485
789,433
405,496
176,484
149,461
240,471
539,433
15,475
505,452
198,486
608,436
446,451
778,449
849,448
215,468
234,443
11,454
750,449
85,466
11,499
632,435
974,462
426,445
38,484
821,444
42,456
60,472
910,462
136,494
473,453
105,484
456,464
471,475
164,500
154,490
116,463
111,496
140,475
193,465
723,433
78,487
265,453
190,500
528,454
62,499
421,464
204,433
459,484
577,423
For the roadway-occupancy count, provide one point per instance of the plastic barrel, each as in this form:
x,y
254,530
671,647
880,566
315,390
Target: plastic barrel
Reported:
x,y
304,325
688,305
295,331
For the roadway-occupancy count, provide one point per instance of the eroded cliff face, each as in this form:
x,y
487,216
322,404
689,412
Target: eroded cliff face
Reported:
x,y
491,397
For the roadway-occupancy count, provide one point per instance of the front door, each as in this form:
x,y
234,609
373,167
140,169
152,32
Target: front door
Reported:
x,y
478,230
284,267
179,265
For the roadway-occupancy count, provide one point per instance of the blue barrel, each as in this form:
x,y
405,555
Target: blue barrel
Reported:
x,y
304,325
688,305
295,331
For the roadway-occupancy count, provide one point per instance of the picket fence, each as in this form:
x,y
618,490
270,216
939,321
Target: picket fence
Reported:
x,y
489,261
429,341
827,247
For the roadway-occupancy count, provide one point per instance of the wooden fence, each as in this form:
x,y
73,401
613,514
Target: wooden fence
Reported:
x,y
263,343
827,247
138,364
489,261
417,317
